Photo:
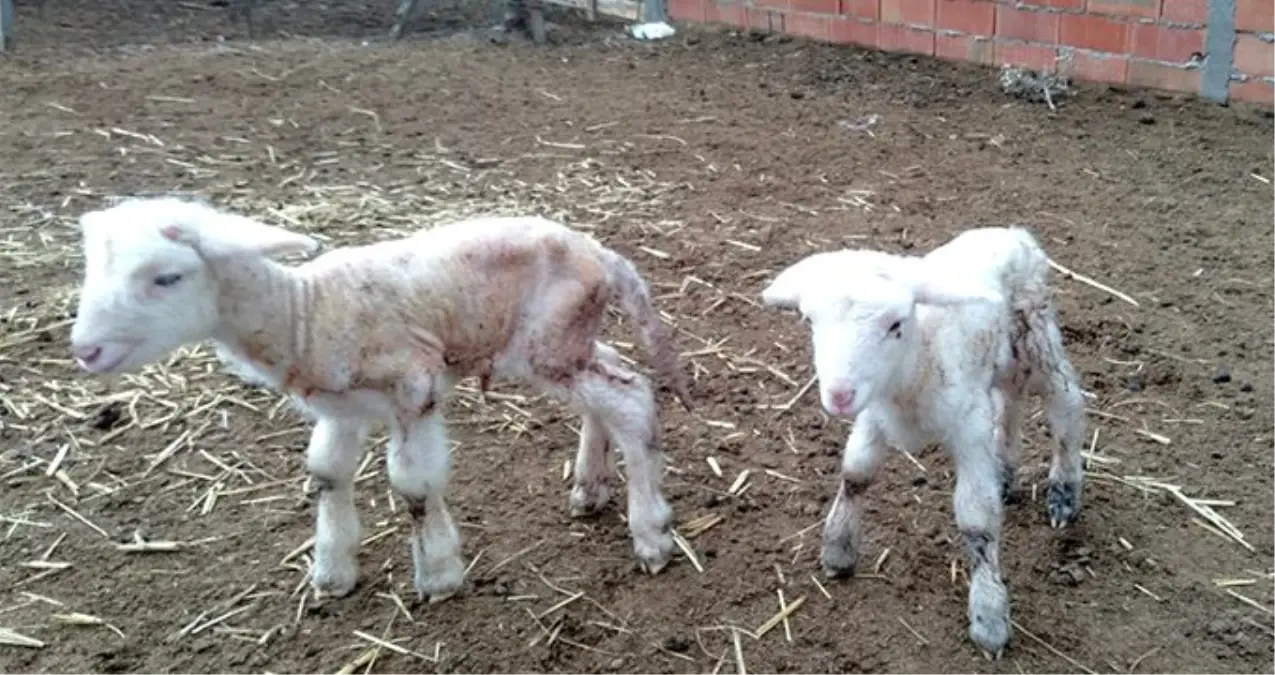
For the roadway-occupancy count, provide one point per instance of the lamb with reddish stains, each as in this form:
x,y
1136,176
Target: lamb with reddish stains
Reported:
x,y
942,349
381,333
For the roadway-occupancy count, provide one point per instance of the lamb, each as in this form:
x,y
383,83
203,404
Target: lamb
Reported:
x,y
381,332
942,349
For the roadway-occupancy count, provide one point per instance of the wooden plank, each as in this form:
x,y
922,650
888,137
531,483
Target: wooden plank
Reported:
x,y
629,10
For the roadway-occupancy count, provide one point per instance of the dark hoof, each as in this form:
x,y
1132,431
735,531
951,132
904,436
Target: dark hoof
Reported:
x,y
1064,504
838,561
1009,488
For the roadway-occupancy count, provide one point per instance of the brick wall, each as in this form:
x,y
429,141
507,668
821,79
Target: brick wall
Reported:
x,y
1217,48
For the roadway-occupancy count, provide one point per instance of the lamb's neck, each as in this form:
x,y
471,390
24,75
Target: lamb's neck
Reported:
x,y
913,376
264,313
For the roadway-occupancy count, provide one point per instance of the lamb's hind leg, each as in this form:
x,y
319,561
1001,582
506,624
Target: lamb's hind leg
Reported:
x,y
1010,443
407,10
594,470
419,465
1066,413
623,402
1065,410
332,460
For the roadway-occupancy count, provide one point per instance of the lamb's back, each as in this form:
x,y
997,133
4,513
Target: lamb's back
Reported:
x,y
466,289
1009,259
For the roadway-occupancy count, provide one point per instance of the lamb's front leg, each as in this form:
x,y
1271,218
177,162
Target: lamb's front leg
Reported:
x,y
865,452
594,469
419,465
977,503
332,459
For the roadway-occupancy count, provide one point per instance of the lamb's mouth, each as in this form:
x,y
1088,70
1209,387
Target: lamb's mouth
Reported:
x,y
114,354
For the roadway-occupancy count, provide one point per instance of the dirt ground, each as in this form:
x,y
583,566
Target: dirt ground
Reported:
x,y
711,159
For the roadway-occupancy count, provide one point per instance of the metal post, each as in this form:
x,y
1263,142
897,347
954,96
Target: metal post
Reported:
x,y
1219,42
653,11
7,18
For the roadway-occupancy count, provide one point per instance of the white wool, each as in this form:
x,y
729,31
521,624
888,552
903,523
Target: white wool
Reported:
x,y
941,349
381,333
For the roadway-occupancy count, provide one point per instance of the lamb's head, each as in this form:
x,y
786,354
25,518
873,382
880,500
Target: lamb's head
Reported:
x,y
861,307
150,279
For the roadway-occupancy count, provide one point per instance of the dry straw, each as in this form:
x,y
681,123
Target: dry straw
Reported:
x,y
182,412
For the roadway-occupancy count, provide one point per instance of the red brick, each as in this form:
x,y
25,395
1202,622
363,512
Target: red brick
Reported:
x,y
1160,76
725,13
1255,91
1090,31
815,6
1095,67
1255,15
903,39
1253,56
1043,59
1162,43
686,10
967,16
1149,9
1185,11
854,32
863,9
1056,4
807,25
767,20
1026,25
911,12
964,48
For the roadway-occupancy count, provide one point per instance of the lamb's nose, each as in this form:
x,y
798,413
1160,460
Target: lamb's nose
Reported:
x,y
843,398
86,354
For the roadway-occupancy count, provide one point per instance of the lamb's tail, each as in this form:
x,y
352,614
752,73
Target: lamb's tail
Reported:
x,y
630,291
1025,271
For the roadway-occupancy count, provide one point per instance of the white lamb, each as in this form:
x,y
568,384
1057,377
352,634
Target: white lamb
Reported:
x,y
942,349
382,332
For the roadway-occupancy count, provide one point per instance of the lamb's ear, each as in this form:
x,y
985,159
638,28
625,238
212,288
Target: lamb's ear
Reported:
x,y
226,233
786,290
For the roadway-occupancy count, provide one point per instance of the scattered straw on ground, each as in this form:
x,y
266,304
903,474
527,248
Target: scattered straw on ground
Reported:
x,y
74,424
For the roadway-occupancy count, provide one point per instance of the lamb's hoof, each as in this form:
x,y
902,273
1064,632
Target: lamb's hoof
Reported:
x,y
838,561
990,638
652,567
586,501
513,22
330,580
1009,492
654,558
432,594
435,598
989,622
443,581
1064,504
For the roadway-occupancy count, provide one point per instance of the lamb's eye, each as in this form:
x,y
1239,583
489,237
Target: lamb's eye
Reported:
x,y
166,280
895,329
